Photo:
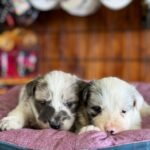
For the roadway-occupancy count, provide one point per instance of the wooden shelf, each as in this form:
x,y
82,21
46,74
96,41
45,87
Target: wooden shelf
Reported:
x,y
14,81
4,82
3,91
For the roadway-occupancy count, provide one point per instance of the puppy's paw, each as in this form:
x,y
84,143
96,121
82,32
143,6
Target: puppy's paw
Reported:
x,y
10,122
89,128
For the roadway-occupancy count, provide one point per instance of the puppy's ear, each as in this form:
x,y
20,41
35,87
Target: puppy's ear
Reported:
x,y
86,92
140,104
138,99
31,87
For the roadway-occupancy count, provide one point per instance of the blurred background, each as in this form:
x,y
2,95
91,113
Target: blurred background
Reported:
x,y
89,38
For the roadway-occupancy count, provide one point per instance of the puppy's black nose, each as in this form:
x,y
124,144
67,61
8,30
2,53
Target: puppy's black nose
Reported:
x,y
54,125
111,132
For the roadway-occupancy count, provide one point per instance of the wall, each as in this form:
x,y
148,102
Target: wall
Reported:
x,y
108,43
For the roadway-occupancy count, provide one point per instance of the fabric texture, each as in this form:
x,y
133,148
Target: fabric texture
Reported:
x,y
49,139
133,146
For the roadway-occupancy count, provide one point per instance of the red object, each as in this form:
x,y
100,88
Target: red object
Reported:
x,y
12,66
12,69
10,20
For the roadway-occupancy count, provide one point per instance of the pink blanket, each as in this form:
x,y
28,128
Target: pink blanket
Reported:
x,y
49,139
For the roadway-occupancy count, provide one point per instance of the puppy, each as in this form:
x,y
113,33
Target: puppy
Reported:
x,y
49,101
111,105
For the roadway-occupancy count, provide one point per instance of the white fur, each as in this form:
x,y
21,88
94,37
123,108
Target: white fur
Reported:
x,y
60,85
116,95
59,90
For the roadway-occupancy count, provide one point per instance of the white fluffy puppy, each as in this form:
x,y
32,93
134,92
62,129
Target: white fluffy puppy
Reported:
x,y
112,105
49,101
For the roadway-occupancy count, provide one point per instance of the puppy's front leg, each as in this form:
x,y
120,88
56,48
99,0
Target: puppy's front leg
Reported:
x,y
89,128
17,118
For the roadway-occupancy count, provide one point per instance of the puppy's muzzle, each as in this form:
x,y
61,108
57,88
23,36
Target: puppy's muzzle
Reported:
x,y
47,115
55,119
54,124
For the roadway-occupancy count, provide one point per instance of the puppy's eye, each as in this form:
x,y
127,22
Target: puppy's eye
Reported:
x,y
42,102
70,104
123,111
97,109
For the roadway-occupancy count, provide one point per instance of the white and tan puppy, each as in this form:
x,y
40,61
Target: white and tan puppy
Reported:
x,y
49,101
111,105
